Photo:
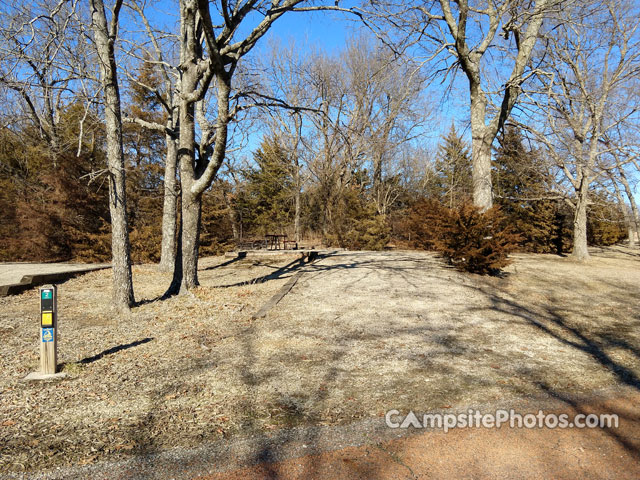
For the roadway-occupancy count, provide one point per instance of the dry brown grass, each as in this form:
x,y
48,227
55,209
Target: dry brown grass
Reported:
x,y
360,333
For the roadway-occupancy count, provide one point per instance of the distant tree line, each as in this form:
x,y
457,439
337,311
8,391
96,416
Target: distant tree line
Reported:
x,y
124,131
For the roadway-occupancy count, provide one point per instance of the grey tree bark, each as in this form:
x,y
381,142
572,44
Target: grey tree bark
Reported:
x,y
169,208
191,201
298,206
225,49
105,35
484,129
626,214
634,219
232,213
168,250
580,247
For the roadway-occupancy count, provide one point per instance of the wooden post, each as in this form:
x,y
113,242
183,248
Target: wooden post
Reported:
x,y
48,329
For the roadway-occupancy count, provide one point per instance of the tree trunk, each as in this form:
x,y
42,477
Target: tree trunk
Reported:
x,y
123,297
296,220
480,151
191,203
169,211
196,177
191,212
176,281
626,214
634,207
233,217
377,183
481,161
580,250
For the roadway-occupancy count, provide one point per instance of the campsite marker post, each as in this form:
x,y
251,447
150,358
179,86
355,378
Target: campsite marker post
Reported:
x,y
48,329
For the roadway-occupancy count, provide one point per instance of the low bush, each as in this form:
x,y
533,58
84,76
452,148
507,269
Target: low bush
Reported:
x,y
473,241
423,222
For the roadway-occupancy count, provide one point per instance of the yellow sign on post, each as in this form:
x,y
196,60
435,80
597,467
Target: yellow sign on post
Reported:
x,y
47,319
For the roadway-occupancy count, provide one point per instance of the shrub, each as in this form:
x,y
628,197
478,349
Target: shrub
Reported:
x,y
605,223
371,233
423,223
473,241
356,225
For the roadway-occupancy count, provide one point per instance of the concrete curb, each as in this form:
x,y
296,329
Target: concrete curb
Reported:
x,y
29,281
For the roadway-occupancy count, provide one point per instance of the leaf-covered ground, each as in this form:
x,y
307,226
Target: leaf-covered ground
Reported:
x,y
360,333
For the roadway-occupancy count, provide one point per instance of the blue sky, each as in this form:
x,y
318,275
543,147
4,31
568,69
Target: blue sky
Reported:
x,y
330,31
327,30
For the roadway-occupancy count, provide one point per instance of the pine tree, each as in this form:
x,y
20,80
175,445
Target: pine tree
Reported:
x,y
266,201
521,187
145,156
453,179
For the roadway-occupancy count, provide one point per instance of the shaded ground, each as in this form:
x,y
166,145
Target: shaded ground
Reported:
x,y
359,334
137,382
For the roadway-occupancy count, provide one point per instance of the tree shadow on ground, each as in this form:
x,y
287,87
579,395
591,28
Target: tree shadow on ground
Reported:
x,y
269,448
615,250
240,256
549,320
613,432
280,272
552,321
112,350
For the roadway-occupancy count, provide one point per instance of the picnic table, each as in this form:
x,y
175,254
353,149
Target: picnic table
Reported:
x,y
279,242
270,242
274,242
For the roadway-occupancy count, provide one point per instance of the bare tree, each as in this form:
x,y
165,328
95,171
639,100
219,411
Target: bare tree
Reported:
x,y
362,106
583,96
335,143
166,93
626,213
466,32
389,109
105,36
48,64
37,62
229,31
288,120
616,175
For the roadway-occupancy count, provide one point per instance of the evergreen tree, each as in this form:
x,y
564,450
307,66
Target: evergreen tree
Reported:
x,y
266,201
522,188
49,210
145,156
453,179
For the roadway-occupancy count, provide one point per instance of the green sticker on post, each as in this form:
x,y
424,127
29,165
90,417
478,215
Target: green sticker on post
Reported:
x,y
47,294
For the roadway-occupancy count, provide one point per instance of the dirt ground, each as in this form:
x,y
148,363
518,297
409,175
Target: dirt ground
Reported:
x,y
359,334
478,454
